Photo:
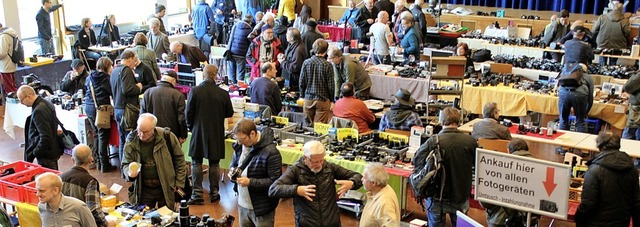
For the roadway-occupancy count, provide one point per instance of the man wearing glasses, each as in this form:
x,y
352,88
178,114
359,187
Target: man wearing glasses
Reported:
x,y
312,184
41,129
489,127
256,164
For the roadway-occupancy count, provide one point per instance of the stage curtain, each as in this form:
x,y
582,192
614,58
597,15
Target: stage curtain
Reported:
x,y
574,6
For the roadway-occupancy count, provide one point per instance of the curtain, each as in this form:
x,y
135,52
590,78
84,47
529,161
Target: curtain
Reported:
x,y
574,6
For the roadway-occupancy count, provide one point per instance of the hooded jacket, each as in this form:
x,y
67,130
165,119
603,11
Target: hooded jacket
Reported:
x,y
610,194
611,30
401,117
280,31
632,86
101,88
323,210
6,45
264,168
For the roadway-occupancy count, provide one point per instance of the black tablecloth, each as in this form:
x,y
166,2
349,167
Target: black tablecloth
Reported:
x,y
50,74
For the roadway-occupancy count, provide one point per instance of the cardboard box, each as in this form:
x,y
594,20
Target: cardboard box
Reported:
x,y
110,197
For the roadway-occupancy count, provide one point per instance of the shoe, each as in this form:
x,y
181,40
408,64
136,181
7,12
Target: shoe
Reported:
x,y
195,202
214,198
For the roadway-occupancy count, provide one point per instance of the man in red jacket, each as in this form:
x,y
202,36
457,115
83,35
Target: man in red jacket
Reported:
x,y
352,108
264,48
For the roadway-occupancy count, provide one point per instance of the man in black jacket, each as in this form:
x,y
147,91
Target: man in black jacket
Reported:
x,y
207,107
263,167
41,139
312,184
144,75
291,61
366,17
311,35
420,20
75,78
385,5
610,194
459,159
125,90
167,104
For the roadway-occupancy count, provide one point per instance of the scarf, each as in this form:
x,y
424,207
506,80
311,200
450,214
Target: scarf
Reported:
x,y
266,51
398,114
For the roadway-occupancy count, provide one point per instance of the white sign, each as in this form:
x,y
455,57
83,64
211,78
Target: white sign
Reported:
x,y
522,183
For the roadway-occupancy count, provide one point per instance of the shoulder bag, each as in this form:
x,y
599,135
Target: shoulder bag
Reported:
x,y
103,112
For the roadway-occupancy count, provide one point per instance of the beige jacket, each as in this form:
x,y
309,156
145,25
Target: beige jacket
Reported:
x,y
6,45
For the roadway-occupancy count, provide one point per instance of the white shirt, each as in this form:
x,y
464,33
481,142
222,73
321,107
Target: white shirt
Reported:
x,y
380,33
244,199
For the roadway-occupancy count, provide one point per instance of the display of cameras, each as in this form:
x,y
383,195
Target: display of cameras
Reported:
x,y
548,206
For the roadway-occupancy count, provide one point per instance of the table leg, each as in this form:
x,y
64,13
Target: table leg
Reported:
x,y
403,201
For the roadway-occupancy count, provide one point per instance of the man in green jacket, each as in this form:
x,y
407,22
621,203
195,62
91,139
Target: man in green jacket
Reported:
x,y
156,169
348,69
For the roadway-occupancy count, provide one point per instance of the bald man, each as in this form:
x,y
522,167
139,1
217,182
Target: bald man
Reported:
x,y
307,198
57,209
188,54
79,184
156,165
207,107
383,38
41,129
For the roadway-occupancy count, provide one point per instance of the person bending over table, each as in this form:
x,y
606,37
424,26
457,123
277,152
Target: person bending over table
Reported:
x,y
185,53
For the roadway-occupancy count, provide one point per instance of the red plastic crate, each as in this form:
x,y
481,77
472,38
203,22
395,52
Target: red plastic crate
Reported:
x,y
29,193
18,166
12,186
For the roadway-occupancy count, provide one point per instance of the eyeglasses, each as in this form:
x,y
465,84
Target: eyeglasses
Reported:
x,y
240,140
22,99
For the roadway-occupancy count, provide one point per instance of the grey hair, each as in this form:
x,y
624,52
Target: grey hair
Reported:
x,y
313,148
376,173
154,119
153,21
335,52
489,110
406,15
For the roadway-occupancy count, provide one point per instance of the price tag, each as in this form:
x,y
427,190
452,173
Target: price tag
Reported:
x,y
394,137
321,128
282,120
345,132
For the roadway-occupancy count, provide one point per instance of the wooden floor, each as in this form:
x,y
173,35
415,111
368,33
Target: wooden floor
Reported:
x,y
11,151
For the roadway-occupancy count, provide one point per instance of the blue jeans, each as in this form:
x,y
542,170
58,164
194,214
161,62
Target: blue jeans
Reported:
x,y
631,133
579,102
46,46
237,69
122,133
437,211
248,218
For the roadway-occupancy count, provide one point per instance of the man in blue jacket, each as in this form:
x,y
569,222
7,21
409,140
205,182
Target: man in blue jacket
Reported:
x,y
238,46
256,164
201,17
223,10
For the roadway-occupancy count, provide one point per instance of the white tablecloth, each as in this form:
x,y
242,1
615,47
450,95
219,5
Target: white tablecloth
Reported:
x,y
15,114
383,87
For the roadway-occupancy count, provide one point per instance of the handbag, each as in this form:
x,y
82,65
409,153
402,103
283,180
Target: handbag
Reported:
x,y
103,112
67,139
129,120
227,54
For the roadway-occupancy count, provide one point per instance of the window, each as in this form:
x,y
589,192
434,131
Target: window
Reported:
x,y
27,10
176,6
75,10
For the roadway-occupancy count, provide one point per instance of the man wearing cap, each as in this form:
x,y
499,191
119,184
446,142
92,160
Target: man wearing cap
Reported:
x,y
311,182
185,53
401,115
167,104
265,91
576,50
311,35
75,78
161,10
264,48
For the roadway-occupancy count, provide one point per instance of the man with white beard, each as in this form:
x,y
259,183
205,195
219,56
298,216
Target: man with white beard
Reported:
x,y
315,204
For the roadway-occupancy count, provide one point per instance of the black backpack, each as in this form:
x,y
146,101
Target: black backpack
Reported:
x,y
429,180
571,75
17,51
482,55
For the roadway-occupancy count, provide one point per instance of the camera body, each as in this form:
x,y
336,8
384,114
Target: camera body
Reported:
x,y
235,173
548,206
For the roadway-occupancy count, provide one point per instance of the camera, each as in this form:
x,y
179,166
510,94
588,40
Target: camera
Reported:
x,y
548,206
235,174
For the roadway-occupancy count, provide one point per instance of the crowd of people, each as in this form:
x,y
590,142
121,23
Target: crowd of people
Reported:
x,y
287,50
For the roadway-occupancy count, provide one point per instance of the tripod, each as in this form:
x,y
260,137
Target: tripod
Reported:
x,y
372,50
106,24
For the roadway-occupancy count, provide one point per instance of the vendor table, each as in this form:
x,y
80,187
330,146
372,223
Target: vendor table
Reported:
x,y
514,102
49,74
382,87
107,49
336,34
15,114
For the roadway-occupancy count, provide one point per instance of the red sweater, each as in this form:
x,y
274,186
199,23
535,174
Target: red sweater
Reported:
x,y
356,110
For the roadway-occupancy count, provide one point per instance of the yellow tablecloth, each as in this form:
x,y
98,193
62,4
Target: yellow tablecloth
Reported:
x,y
28,215
513,102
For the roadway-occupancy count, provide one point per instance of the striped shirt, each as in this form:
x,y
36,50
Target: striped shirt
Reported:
x,y
316,79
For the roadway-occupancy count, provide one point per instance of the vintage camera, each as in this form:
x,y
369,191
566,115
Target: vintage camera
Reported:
x,y
548,206
235,174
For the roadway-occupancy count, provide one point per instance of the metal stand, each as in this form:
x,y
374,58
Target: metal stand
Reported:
x,y
372,50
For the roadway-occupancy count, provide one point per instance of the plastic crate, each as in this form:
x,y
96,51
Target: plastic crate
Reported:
x,y
17,166
12,186
593,124
30,193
